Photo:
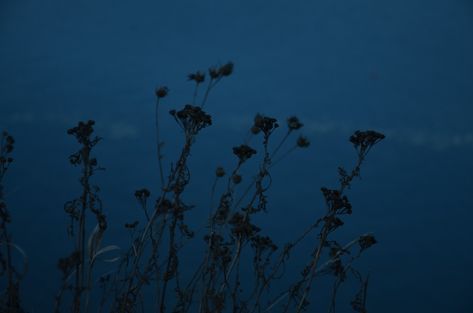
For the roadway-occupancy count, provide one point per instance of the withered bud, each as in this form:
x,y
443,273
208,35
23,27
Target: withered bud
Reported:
x,y
220,172
293,123
303,142
198,77
236,179
161,92
226,70
213,72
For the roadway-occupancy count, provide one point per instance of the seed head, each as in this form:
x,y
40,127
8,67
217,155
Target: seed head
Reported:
x,y
219,172
161,92
243,152
236,179
303,142
226,70
198,77
293,123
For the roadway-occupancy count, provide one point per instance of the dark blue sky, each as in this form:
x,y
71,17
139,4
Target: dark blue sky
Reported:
x,y
404,68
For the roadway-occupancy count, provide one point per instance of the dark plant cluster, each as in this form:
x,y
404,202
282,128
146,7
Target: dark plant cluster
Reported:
x,y
191,119
153,274
77,267
10,276
6,148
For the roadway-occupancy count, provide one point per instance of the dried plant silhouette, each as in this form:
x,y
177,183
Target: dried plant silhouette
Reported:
x,y
10,276
240,266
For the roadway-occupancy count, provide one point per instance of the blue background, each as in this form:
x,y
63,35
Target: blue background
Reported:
x,y
404,68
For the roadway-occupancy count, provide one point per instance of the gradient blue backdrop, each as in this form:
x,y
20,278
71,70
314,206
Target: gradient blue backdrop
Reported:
x,y
404,68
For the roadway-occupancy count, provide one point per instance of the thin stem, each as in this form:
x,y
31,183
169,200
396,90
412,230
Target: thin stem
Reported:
x,y
212,83
232,264
284,155
171,255
212,195
313,267
194,97
281,143
158,144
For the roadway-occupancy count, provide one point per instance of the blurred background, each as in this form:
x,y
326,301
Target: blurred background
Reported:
x,y
404,68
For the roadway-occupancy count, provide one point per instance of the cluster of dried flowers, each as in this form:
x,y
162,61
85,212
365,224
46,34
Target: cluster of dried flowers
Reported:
x,y
77,267
152,273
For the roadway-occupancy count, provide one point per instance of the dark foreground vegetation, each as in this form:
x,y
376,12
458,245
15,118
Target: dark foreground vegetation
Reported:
x,y
239,264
